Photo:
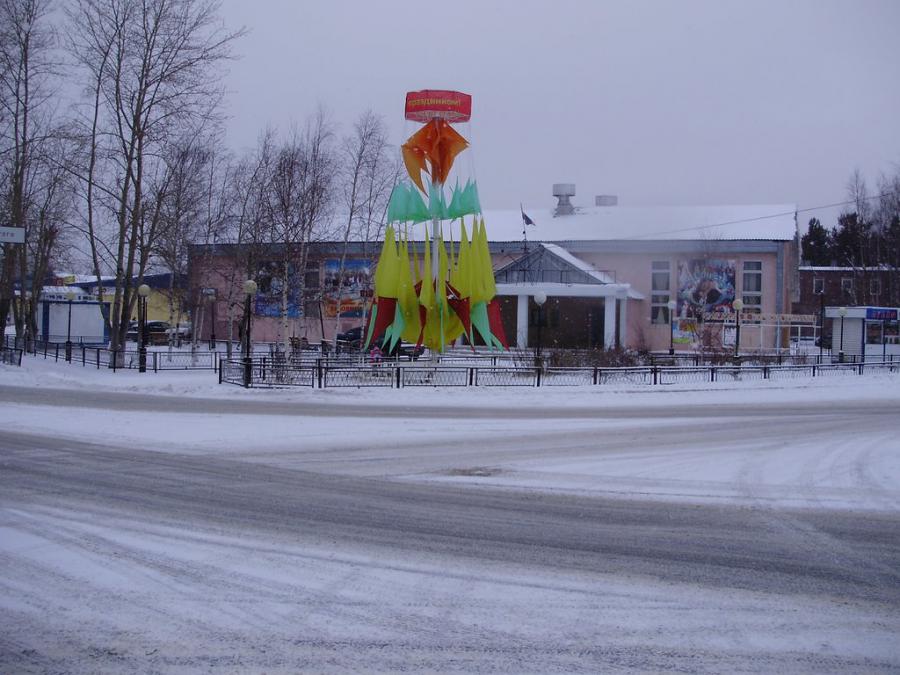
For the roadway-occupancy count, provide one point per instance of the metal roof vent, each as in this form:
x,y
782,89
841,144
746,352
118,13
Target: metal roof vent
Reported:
x,y
606,200
562,191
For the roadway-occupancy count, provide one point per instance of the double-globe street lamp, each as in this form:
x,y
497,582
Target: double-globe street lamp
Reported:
x,y
738,305
143,291
672,305
249,291
842,312
70,296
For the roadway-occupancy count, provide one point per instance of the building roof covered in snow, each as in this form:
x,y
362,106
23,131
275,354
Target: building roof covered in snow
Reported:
x,y
770,222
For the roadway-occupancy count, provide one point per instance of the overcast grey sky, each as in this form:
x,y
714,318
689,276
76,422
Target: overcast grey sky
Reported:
x,y
712,102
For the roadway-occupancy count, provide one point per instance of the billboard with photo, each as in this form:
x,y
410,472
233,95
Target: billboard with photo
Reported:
x,y
270,282
356,287
703,286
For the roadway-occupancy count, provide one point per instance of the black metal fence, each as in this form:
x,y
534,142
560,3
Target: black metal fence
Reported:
x,y
11,356
266,373
125,359
322,374
459,368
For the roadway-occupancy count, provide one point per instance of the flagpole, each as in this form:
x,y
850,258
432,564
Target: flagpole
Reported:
x,y
524,229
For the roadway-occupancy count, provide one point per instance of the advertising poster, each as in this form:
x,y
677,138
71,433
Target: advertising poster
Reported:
x,y
355,289
268,296
703,286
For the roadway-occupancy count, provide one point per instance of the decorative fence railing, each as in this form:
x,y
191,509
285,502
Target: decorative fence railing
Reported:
x,y
126,359
267,372
459,368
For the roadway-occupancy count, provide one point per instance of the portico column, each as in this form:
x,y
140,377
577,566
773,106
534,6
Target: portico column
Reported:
x,y
522,322
623,323
609,322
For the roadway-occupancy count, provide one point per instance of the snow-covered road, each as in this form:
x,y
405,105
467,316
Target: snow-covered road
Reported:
x,y
716,530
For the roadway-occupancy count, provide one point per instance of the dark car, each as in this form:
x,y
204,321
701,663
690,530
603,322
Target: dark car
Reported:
x,y
353,339
157,332
405,350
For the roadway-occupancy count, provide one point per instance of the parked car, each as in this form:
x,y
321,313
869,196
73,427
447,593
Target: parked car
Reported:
x,y
406,350
353,339
182,331
156,332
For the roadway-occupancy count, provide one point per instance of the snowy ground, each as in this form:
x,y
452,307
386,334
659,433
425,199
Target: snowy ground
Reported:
x,y
163,522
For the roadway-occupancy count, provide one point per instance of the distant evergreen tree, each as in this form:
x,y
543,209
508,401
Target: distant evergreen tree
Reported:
x,y
853,243
816,244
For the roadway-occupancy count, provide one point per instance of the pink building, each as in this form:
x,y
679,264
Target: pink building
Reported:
x,y
611,272
610,275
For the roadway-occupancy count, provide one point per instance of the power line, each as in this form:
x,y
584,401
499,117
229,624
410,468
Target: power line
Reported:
x,y
766,217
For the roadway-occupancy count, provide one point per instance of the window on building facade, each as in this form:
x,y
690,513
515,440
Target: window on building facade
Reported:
x,y
847,285
819,286
311,278
660,289
311,309
548,317
752,287
875,287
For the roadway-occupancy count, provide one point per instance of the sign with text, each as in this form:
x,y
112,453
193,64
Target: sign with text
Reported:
x,y
881,314
354,278
12,235
760,317
425,105
704,287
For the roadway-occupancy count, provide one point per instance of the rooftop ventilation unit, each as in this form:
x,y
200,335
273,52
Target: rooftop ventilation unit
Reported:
x,y
562,191
606,200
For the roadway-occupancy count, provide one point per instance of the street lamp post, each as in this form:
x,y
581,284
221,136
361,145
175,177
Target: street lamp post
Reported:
x,y
249,291
143,291
738,305
671,305
70,296
842,312
539,299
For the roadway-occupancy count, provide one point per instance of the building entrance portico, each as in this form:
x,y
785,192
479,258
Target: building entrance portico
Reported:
x,y
585,308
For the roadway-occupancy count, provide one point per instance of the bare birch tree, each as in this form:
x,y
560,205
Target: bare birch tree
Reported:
x,y
367,176
49,214
300,197
154,67
244,228
27,72
182,217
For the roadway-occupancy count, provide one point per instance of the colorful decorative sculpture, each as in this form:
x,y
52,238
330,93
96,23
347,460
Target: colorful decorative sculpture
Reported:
x,y
453,296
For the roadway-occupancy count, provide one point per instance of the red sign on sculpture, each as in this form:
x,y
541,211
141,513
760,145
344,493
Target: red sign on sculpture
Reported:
x,y
428,104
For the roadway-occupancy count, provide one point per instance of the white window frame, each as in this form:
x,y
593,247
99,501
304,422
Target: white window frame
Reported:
x,y
752,269
659,297
875,287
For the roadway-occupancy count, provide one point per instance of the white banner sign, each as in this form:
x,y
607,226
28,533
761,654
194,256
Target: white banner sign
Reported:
x,y
759,317
12,235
